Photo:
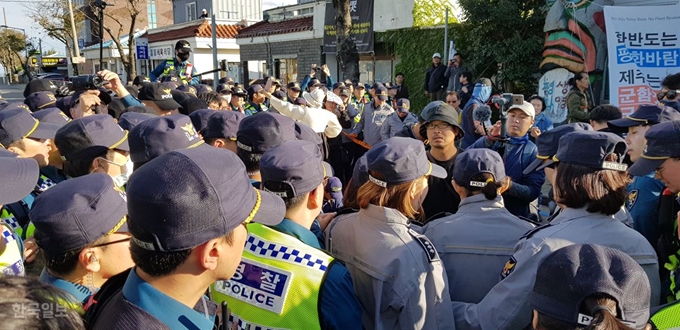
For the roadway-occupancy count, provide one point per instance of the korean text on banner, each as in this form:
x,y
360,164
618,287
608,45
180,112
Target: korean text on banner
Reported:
x,y
643,49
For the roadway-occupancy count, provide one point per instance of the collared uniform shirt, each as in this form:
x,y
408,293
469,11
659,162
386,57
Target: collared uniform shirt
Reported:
x,y
474,244
398,276
506,306
78,292
141,306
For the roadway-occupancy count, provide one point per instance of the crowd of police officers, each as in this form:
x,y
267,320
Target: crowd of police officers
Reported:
x,y
166,205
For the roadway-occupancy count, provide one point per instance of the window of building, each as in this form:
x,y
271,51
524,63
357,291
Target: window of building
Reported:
x,y
191,11
151,13
305,11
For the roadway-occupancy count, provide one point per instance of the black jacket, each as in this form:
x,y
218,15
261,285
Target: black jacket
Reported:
x,y
434,79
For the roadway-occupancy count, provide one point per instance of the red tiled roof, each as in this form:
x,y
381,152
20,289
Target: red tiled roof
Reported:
x,y
266,28
201,29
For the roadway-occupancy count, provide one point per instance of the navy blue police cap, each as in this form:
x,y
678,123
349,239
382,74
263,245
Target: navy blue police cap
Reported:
x,y
255,89
141,80
306,133
159,94
600,148
548,141
223,124
344,91
52,116
646,114
404,105
14,106
259,133
281,95
238,91
473,162
381,93
129,120
292,169
17,177
360,172
200,118
187,197
400,160
159,135
17,124
663,142
39,85
585,270
294,86
224,88
89,136
338,84
40,100
77,212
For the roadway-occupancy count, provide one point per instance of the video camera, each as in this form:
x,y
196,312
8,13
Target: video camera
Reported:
x,y
505,101
87,82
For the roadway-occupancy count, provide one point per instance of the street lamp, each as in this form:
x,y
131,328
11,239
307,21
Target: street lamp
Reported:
x,y
25,45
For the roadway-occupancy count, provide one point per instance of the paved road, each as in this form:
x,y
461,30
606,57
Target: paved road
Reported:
x,y
13,93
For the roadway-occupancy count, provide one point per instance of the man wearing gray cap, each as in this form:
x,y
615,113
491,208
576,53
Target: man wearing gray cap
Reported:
x,y
435,79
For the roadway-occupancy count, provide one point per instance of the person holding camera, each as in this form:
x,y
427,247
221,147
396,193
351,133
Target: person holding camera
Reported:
x,y
453,72
178,66
517,152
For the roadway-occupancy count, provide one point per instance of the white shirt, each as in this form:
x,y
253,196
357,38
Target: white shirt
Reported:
x,y
320,120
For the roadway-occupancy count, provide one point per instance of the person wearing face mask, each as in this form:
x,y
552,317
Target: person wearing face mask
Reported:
x,y
225,93
178,66
398,276
238,99
94,144
81,225
517,152
480,95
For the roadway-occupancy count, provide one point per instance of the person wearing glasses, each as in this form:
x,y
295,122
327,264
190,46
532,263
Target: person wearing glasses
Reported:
x,y
81,226
322,295
670,91
188,214
442,130
453,99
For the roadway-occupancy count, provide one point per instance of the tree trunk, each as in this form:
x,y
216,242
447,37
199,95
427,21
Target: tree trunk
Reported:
x,y
347,54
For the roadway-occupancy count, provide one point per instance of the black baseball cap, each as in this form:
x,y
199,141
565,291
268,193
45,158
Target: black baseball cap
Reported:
x,y
403,105
39,85
17,177
294,86
238,91
338,85
359,85
17,124
255,89
15,105
188,89
186,197
159,94
400,160
334,188
161,134
199,118
141,80
77,212
129,120
89,136
360,172
344,91
646,114
171,82
40,100
257,134
183,46
548,141
203,88
568,276
600,146
663,142
292,169
440,110
226,80
224,89
52,116
223,124
477,161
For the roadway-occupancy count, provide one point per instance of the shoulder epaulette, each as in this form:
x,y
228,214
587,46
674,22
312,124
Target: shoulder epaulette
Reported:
x,y
430,251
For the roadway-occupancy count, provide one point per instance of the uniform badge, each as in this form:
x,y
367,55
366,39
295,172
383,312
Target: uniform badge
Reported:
x,y
427,246
509,267
189,131
632,198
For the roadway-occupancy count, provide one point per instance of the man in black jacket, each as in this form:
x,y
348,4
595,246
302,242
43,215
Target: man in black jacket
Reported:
x,y
435,81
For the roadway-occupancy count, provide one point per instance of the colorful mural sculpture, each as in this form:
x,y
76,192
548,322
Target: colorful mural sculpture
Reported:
x,y
575,41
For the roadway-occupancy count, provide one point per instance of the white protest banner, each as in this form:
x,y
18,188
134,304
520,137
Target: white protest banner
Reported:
x,y
643,48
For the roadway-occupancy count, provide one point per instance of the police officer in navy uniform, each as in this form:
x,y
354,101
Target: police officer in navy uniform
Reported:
x,y
398,276
177,66
188,210
17,179
590,183
81,225
476,241
321,295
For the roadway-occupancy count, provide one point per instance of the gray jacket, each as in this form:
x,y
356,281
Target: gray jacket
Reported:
x,y
398,276
371,121
453,73
394,124
506,306
474,244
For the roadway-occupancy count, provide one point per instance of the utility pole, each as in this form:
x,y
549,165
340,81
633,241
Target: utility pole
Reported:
x,y
446,37
216,75
39,59
76,56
